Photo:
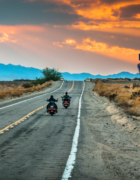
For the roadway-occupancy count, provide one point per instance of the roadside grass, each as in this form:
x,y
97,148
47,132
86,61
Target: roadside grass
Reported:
x,y
7,91
127,96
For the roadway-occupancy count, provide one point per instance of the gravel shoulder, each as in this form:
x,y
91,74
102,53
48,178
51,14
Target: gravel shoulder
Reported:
x,y
109,142
55,85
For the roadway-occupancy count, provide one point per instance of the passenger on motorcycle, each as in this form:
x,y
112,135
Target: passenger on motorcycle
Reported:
x,y
66,97
52,101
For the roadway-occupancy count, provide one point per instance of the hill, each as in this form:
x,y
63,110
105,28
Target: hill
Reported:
x,y
10,72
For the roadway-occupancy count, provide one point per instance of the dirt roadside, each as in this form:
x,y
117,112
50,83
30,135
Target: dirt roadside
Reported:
x,y
109,142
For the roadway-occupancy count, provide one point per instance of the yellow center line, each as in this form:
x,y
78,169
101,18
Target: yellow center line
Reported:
x,y
27,116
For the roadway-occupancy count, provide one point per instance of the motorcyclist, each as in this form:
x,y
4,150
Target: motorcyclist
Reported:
x,y
52,101
66,97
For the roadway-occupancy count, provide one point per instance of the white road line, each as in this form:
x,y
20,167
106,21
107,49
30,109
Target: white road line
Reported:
x,y
72,157
32,98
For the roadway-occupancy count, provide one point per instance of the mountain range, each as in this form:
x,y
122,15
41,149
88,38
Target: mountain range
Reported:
x,y
11,72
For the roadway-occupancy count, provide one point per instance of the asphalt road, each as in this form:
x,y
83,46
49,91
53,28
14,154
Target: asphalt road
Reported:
x,y
33,144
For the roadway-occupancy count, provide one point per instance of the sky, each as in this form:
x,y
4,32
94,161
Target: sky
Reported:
x,y
93,36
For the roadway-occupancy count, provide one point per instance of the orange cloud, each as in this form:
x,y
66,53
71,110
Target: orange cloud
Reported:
x,y
69,41
113,27
5,38
126,54
102,15
96,10
13,34
93,25
137,16
121,53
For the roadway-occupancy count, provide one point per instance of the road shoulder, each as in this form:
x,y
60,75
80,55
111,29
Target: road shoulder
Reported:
x,y
108,144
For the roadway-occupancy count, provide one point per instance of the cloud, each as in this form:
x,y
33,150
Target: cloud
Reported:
x,y
20,12
137,16
37,28
69,42
129,11
5,38
122,53
118,27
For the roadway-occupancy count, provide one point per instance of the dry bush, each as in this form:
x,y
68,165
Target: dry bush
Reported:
x,y
127,98
8,85
94,80
17,91
2,95
135,109
136,85
27,85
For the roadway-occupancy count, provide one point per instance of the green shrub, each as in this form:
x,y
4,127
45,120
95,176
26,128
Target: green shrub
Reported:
x,y
51,74
48,75
38,81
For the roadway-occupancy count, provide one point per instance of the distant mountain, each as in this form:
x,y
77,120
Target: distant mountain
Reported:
x,y
83,76
10,72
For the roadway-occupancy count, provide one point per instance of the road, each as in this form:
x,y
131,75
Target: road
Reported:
x,y
33,144
37,146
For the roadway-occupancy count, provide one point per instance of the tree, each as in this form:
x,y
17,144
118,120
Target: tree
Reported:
x,y
51,74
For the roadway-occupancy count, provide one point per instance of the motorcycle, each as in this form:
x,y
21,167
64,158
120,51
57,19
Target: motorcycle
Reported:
x,y
52,109
66,103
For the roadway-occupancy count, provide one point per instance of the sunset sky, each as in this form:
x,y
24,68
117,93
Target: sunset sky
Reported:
x,y
95,36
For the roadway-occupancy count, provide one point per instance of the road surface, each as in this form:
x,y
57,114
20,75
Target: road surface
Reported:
x,y
33,144
36,146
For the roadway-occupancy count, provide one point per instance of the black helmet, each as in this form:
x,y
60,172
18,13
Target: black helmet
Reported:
x,y
51,96
66,93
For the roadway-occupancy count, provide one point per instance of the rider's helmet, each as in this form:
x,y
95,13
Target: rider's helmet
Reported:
x,y
66,93
51,96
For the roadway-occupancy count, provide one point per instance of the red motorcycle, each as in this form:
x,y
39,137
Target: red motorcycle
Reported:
x,y
66,103
51,110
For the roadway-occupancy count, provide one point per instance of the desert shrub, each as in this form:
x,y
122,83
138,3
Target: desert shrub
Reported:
x,y
16,93
38,81
13,86
2,95
136,79
135,85
124,105
8,85
31,89
127,98
27,85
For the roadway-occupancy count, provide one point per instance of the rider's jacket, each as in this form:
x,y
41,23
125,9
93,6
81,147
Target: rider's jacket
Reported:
x,y
52,99
66,97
